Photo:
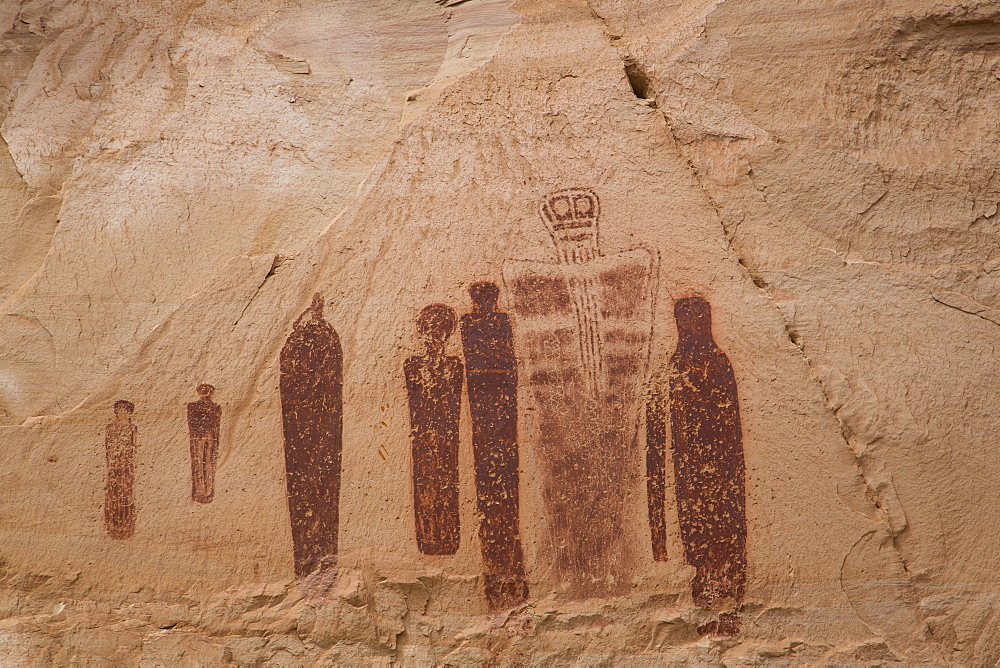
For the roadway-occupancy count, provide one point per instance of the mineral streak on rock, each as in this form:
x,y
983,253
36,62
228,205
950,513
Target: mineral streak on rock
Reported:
x,y
491,373
434,389
312,418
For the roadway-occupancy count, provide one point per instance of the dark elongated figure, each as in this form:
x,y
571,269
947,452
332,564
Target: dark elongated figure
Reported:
x,y
656,465
491,376
312,419
708,460
119,486
434,388
204,417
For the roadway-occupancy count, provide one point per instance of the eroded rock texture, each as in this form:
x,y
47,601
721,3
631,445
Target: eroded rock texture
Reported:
x,y
178,180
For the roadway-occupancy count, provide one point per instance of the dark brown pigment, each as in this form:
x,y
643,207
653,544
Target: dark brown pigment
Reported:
x,y
728,624
204,417
119,499
656,465
583,335
312,418
709,470
491,372
434,388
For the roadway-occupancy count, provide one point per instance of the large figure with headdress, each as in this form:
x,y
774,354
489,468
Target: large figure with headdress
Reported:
x,y
583,324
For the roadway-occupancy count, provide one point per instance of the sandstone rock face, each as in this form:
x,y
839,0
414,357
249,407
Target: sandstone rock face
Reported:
x,y
541,332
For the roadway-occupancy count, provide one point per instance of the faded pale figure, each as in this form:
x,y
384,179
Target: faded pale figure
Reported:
x,y
119,487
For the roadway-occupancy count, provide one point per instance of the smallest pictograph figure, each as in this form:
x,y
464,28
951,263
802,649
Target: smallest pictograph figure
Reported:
x,y
119,486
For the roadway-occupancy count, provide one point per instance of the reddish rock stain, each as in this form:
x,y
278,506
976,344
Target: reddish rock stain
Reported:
x,y
728,624
541,295
656,459
621,292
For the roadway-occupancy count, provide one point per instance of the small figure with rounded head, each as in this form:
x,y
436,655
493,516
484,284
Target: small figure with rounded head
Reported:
x,y
204,417
434,387
435,325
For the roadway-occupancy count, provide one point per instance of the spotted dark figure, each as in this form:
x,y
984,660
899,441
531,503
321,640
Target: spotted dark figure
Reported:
x,y
311,388
119,486
491,375
709,469
203,417
434,389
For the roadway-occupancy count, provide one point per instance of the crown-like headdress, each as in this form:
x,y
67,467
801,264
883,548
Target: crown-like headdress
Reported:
x,y
571,218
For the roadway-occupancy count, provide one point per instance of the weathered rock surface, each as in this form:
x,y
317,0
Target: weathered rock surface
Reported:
x,y
179,179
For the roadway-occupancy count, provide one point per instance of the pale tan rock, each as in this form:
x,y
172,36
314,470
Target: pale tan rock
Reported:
x,y
178,182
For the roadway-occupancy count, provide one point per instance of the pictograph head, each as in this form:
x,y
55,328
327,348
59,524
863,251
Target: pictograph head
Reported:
x,y
436,322
693,316
204,390
123,406
484,295
317,304
571,217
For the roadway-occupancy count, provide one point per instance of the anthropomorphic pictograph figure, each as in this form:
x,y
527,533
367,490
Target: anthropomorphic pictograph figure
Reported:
x,y
203,417
491,377
119,487
583,325
709,469
434,389
311,387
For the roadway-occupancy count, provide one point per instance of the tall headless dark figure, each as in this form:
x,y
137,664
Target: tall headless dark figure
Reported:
x,y
434,388
708,462
491,371
312,419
